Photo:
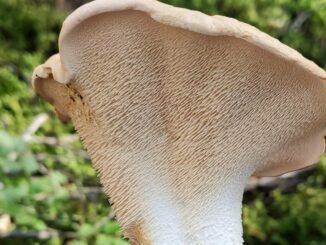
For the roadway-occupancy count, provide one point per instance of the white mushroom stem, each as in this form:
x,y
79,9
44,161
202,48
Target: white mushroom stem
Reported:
x,y
217,219
220,222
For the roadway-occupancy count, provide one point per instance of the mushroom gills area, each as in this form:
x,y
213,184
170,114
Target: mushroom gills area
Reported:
x,y
180,120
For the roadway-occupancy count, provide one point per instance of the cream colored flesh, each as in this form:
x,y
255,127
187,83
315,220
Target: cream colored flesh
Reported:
x,y
176,121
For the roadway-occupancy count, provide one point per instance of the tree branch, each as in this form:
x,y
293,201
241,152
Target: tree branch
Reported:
x,y
41,235
68,139
38,121
286,182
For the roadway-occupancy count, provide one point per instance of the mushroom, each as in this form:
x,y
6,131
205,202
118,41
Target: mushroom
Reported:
x,y
178,109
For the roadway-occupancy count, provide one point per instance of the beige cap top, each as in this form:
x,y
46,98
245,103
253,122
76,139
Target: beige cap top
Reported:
x,y
193,21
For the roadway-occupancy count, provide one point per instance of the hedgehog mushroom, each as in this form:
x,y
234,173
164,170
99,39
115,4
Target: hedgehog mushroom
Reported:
x,y
178,109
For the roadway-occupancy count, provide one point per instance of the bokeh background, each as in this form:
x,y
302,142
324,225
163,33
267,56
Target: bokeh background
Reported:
x,y
49,193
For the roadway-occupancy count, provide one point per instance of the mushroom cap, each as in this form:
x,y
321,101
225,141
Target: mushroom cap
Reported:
x,y
85,42
193,21
45,83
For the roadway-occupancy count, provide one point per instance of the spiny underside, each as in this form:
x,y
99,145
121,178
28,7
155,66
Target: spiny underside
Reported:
x,y
174,109
172,118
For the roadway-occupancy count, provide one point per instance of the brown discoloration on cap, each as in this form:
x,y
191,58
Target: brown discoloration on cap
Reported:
x,y
137,235
66,99
56,94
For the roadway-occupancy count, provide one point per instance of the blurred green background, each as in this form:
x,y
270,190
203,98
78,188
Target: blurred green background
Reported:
x,y
49,193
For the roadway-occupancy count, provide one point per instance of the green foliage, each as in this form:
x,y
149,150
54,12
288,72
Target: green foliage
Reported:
x,y
42,187
28,27
298,217
54,188
43,195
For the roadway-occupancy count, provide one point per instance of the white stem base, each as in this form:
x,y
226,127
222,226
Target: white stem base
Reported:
x,y
218,222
